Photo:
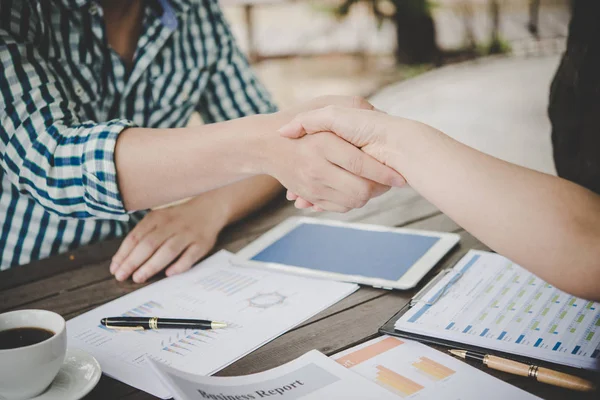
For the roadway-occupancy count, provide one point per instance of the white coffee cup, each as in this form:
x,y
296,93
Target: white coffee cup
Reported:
x,y
26,372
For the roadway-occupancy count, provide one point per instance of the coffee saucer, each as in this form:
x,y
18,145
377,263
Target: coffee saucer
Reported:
x,y
77,377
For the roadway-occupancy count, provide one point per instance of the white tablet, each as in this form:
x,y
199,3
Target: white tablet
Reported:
x,y
389,258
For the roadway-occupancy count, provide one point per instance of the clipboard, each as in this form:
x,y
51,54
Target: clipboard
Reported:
x,y
389,329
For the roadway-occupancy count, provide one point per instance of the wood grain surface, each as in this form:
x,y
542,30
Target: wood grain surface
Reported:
x,y
73,283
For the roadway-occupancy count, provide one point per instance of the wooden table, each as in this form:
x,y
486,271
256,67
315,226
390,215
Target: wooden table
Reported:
x,y
73,283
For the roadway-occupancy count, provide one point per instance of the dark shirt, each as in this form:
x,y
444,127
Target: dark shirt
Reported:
x,y
574,108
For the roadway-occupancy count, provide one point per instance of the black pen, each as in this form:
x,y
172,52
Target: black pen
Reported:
x,y
155,323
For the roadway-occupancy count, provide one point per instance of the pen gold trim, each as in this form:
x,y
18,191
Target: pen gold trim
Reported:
x,y
125,328
544,375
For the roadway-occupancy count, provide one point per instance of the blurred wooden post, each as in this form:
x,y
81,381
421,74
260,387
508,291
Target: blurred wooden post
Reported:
x,y
415,32
534,13
495,45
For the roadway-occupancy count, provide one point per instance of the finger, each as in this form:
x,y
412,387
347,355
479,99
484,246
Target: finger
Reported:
x,y
167,252
294,129
379,189
359,163
307,203
336,184
291,196
347,199
325,205
348,191
301,203
189,257
132,239
141,253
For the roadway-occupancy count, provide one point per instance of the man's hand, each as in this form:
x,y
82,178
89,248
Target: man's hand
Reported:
x,y
329,173
364,128
183,233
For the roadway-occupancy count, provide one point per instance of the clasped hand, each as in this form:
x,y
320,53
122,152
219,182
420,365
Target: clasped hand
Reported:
x,y
366,129
324,171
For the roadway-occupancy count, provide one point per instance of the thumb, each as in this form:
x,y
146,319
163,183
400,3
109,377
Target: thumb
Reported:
x,y
349,124
292,129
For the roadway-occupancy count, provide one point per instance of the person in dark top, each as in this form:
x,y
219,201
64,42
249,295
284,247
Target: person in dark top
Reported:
x,y
574,108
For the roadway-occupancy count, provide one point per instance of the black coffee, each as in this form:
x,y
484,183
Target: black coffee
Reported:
x,y
21,337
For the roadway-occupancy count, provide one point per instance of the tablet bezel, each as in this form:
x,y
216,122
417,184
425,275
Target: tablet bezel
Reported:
x,y
407,281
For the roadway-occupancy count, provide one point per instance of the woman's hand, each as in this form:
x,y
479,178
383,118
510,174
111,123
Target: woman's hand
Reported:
x,y
366,129
178,236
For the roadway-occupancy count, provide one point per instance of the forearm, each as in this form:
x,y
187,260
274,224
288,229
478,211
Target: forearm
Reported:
x,y
158,166
238,200
547,224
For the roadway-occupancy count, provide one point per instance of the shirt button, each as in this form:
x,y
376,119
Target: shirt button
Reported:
x,y
93,9
78,90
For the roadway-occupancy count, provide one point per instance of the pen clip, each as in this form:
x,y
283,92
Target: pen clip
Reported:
x,y
125,328
425,289
440,292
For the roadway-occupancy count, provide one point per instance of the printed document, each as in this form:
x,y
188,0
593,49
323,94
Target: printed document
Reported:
x,y
257,305
407,368
312,376
488,301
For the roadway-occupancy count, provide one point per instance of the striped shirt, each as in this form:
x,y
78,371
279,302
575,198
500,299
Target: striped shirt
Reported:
x,y
66,96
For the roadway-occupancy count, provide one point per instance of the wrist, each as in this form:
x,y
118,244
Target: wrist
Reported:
x,y
213,210
388,139
261,148
407,142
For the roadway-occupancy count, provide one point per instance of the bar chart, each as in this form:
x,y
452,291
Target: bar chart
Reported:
x,y
359,356
149,308
226,282
433,369
397,383
412,370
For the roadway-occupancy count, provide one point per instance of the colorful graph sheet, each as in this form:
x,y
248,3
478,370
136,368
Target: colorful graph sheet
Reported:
x,y
495,304
257,305
412,370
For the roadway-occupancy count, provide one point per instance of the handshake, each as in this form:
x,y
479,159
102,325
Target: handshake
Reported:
x,y
330,154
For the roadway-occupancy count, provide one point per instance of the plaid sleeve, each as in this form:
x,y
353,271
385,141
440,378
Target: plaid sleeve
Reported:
x,y
233,90
65,164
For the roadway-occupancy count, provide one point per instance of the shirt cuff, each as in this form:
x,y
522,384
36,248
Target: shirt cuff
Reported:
x,y
101,190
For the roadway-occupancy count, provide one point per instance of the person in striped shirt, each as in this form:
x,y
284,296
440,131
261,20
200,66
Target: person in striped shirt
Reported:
x,y
95,97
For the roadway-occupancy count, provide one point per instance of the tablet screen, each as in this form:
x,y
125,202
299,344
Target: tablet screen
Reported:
x,y
349,251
